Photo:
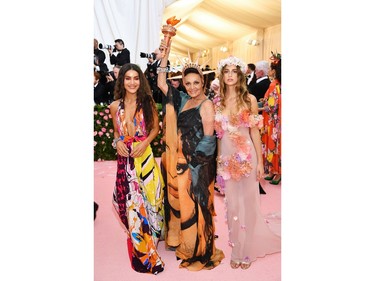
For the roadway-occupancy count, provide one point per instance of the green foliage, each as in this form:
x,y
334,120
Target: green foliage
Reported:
x,y
103,135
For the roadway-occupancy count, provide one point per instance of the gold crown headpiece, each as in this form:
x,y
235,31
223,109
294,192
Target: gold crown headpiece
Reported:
x,y
191,64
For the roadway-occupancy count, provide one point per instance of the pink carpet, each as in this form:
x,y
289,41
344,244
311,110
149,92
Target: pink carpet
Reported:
x,y
111,262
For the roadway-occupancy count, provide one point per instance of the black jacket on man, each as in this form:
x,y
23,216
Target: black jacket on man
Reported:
x,y
152,77
122,57
100,55
260,88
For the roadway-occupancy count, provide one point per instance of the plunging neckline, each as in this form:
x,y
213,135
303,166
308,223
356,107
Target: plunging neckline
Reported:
x,y
136,123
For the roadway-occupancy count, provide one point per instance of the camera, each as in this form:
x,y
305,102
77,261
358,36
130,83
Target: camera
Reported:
x,y
149,56
108,47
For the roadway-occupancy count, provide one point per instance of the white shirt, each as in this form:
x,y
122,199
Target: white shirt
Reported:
x,y
262,78
250,77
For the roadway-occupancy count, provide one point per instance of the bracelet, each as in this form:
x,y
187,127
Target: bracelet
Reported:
x,y
114,143
162,69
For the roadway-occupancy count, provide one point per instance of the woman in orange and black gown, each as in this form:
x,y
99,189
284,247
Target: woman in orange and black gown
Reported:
x,y
190,161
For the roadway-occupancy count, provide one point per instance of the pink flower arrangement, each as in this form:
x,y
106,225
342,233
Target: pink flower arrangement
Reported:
x,y
103,134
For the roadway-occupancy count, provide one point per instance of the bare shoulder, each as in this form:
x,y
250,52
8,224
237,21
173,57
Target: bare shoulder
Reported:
x,y
114,105
207,109
207,105
252,98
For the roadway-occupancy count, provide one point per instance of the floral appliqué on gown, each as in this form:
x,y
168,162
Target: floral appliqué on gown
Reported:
x,y
250,235
237,164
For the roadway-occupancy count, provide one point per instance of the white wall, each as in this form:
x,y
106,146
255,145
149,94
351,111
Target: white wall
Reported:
x,y
136,22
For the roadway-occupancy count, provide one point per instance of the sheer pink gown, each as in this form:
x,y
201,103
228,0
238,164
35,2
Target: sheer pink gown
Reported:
x,y
250,234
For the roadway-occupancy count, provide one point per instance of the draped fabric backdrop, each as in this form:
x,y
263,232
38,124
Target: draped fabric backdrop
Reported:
x,y
137,22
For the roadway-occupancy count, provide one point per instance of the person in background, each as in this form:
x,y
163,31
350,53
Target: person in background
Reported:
x,y
99,54
250,75
240,166
152,75
214,88
176,81
111,81
138,194
208,76
271,134
123,54
99,65
259,88
190,160
100,94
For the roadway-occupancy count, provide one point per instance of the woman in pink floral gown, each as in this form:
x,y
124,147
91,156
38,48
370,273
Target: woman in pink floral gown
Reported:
x,y
240,166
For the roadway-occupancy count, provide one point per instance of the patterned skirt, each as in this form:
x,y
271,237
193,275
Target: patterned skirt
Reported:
x,y
138,200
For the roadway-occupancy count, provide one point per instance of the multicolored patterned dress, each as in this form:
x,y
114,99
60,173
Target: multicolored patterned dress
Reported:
x,y
190,173
249,235
138,198
271,134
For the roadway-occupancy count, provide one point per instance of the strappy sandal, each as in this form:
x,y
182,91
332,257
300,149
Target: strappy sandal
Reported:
x,y
245,265
235,264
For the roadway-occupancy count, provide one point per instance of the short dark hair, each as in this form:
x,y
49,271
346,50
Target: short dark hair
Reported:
x,y
251,66
120,41
191,70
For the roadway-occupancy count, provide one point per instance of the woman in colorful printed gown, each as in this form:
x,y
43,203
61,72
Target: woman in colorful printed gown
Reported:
x,y
138,194
189,161
240,166
271,133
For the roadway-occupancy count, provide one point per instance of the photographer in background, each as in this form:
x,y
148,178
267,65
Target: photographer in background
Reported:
x,y
123,54
99,65
100,93
151,74
98,53
111,81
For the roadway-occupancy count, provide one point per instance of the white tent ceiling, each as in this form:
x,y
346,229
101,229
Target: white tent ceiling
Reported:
x,y
206,26
210,23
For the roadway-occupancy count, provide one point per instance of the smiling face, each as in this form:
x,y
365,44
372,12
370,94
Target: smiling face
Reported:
x,y
193,84
131,81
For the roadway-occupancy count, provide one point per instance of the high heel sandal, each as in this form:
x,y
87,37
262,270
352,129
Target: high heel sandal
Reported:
x,y
245,265
235,264
276,180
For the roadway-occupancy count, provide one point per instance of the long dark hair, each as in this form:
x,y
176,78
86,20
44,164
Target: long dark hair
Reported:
x,y
277,67
144,95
